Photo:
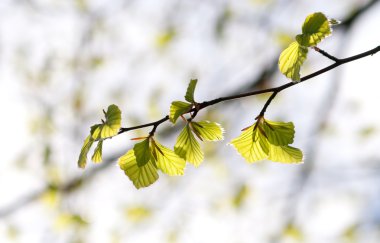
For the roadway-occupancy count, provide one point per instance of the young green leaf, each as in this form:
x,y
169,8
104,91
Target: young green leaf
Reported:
x,y
285,154
279,133
315,28
111,125
140,176
208,131
252,144
291,60
82,160
190,91
97,156
177,109
166,160
142,152
188,148
268,140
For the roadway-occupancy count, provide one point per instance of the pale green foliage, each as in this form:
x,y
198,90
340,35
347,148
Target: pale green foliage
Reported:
x,y
140,176
279,133
82,161
260,141
138,213
188,148
97,156
207,131
315,28
166,160
177,109
252,145
285,154
140,164
110,127
190,91
142,152
291,60
293,232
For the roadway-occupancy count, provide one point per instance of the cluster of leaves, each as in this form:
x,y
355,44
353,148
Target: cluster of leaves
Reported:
x,y
99,132
264,139
315,28
268,140
141,163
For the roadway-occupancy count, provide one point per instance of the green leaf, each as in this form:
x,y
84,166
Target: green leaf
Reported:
x,y
142,152
252,144
111,125
177,109
190,91
285,154
82,160
268,140
140,176
97,156
166,160
291,60
208,131
188,148
279,133
315,28
96,131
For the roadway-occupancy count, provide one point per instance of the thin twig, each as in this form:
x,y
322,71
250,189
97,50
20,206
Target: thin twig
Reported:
x,y
331,57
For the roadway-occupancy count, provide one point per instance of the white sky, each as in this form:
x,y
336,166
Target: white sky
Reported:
x,y
134,64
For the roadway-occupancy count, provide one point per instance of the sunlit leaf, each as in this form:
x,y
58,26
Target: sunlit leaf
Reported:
x,y
188,148
315,28
260,141
285,154
291,60
190,91
252,145
207,131
140,176
177,109
111,125
166,160
279,133
82,161
97,156
142,152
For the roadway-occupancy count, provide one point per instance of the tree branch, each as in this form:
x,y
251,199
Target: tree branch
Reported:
x,y
274,90
325,54
77,181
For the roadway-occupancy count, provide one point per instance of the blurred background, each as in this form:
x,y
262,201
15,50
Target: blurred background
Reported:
x,y
62,62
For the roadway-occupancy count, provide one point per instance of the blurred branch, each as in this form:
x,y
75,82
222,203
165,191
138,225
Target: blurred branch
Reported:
x,y
78,181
